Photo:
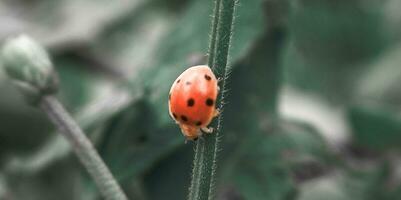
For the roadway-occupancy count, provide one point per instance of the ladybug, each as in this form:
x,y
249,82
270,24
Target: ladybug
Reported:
x,y
192,100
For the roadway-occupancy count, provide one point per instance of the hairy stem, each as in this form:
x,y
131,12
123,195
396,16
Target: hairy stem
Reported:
x,y
205,161
83,148
213,34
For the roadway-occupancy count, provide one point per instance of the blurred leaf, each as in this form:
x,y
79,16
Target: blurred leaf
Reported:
x,y
22,127
330,45
170,177
76,81
254,83
130,146
381,80
351,184
337,33
3,187
265,164
131,42
57,182
375,127
62,23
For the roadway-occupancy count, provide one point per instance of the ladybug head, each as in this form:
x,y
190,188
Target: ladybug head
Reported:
x,y
190,132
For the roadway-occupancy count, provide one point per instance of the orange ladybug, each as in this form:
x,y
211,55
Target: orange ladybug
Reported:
x,y
192,100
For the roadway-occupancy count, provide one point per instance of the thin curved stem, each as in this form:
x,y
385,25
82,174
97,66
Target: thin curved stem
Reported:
x,y
205,161
83,148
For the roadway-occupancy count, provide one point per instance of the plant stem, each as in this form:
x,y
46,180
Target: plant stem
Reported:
x,y
212,43
205,161
83,148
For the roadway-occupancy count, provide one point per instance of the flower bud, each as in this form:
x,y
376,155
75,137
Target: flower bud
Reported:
x,y
29,65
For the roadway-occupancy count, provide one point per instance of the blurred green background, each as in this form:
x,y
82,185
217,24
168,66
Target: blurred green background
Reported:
x,y
313,108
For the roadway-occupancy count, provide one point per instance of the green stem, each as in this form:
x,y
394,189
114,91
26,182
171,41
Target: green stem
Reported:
x,y
205,161
83,148
213,34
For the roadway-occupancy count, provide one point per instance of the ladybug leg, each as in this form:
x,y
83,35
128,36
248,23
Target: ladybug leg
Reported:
x,y
218,80
187,139
207,130
216,112
199,135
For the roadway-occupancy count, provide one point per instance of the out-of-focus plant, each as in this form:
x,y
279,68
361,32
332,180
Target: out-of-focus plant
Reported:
x,y
312,107
29,66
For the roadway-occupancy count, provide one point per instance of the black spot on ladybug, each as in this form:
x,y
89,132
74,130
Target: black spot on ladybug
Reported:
x,y
188,83
175,116
198,123
209,102
184,118
178,81
207,77
190,102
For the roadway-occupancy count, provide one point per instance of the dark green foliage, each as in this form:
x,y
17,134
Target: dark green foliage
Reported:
x,y
376,128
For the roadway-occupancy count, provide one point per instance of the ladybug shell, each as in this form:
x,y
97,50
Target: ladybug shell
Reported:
x,y
192,100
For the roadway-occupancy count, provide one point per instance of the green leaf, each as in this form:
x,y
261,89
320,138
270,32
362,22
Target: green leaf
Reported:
x,y
130,146
65,23
364,183
265,163
76,80
330,45
337,33
57,182
381,79
375,127
171,185
23,128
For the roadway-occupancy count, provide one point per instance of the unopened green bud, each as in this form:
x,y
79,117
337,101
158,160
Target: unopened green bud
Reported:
x,y
29,65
